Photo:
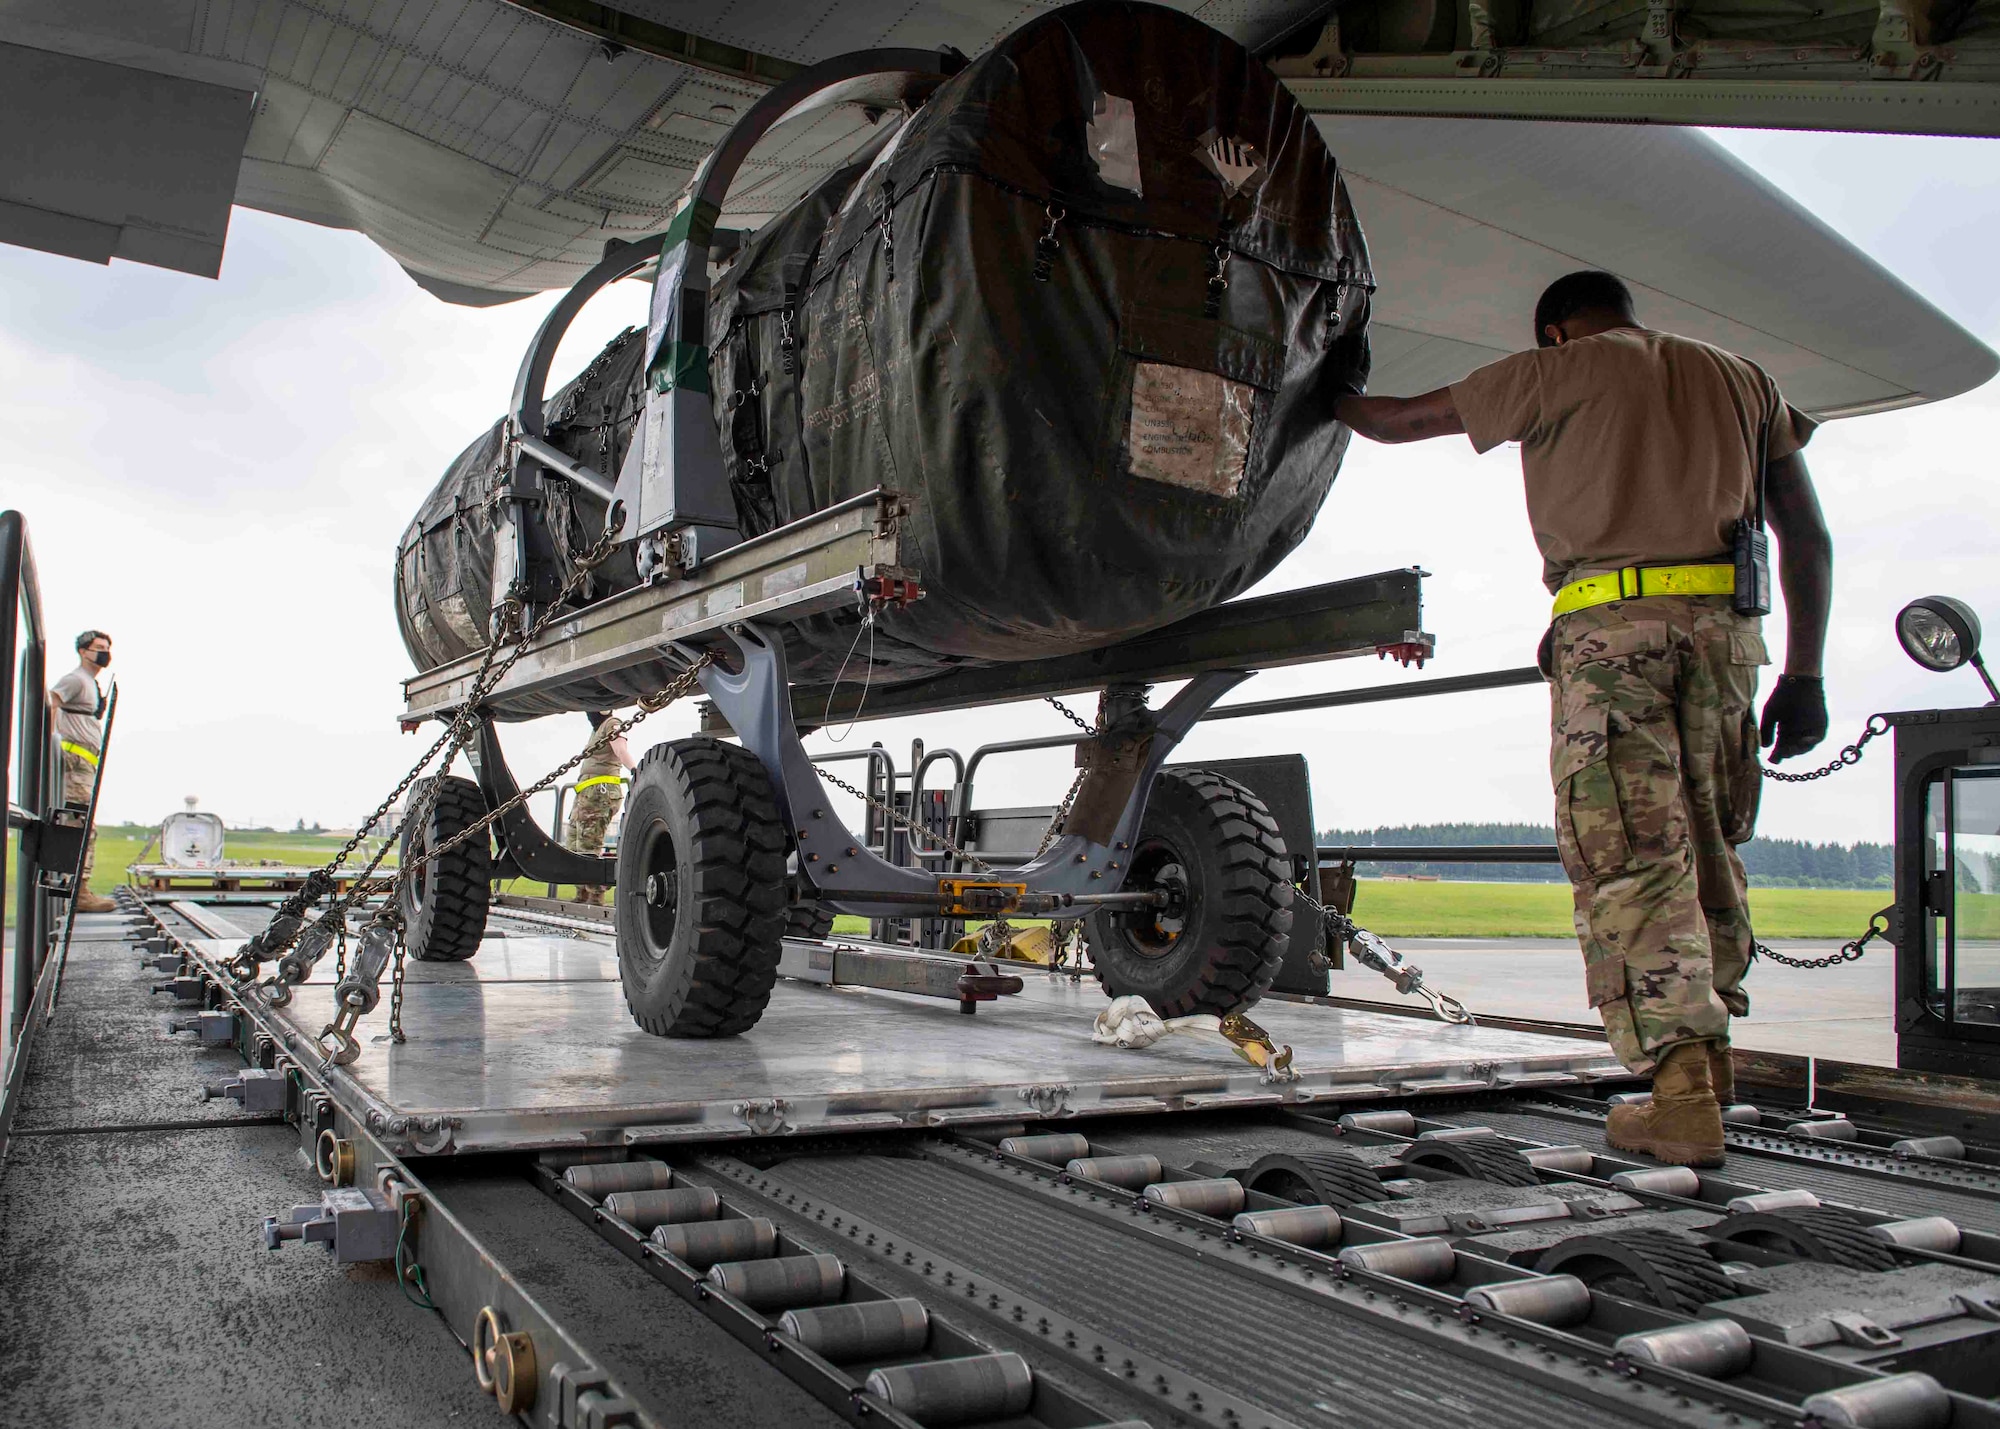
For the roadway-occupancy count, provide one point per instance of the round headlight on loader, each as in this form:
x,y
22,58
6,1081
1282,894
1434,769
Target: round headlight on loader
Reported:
x,y
1941,634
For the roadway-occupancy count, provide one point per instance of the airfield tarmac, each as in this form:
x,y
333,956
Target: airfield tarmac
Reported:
x,y
1841,1012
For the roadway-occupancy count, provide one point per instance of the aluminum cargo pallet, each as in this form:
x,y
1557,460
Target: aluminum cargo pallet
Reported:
x,y
529,1046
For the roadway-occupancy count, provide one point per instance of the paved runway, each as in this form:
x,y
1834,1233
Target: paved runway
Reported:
x,y
1841,1012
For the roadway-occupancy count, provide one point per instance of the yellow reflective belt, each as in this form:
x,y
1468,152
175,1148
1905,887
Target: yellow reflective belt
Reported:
x,y
80,752
583,784
1636,581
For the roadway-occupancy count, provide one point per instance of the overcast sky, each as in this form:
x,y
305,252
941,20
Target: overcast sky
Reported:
x,y
218,472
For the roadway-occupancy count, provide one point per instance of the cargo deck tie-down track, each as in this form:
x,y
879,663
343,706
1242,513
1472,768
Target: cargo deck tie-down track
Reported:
x,y
1430,1246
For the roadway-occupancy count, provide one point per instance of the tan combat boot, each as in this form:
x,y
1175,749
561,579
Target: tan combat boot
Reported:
x,y
1722,1074
88,902
1682,1124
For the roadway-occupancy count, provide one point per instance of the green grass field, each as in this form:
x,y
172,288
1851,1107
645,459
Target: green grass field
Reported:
x,y
1398,909
1542,910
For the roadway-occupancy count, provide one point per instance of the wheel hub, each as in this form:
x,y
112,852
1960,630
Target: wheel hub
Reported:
x,y
1157,868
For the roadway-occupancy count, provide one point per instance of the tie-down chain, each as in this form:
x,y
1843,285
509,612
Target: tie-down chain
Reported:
x,y
357,994
1376,954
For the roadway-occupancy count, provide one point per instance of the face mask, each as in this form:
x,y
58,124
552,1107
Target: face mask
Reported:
x,y
100,658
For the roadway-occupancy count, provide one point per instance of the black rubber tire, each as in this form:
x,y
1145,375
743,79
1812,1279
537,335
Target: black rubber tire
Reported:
x,y
1236,889
809,921
1653,1267
444,906
1491,1160
699,957
1826,1234
1315,1178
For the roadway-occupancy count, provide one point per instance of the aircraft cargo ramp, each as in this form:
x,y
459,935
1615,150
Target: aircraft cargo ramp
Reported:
x,y
876,1210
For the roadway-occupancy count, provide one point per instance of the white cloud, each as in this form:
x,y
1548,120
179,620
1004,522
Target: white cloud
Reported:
x,y
218,473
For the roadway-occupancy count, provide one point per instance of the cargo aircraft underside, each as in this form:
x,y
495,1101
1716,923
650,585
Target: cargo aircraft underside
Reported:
x,y
495,149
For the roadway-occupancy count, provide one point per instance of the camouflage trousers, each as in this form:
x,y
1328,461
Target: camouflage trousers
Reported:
x,y
589,816
1654,760
77,779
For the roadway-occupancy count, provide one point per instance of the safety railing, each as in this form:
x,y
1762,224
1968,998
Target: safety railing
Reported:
x,y
29,770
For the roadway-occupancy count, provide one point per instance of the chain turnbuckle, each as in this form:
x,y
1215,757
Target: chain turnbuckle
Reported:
x,y
1378,955
356,995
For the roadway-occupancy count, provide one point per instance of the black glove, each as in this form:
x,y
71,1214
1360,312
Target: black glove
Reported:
x,y
1794,716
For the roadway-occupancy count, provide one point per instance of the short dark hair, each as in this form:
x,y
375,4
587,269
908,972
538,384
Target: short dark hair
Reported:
x,y
83,640
1591,291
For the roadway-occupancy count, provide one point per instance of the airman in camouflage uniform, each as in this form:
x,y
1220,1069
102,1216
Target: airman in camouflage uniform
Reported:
x,y
599,792
1654,760
1648,459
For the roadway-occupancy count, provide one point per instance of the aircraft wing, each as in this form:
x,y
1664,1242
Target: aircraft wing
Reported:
x,y
1469,219
494,149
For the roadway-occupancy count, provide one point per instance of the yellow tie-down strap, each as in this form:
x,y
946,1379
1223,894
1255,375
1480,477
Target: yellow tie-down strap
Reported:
x,y
1636,581
597,779
87,756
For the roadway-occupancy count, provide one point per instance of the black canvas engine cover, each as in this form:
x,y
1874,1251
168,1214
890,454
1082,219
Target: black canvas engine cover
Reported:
x,y
1088,310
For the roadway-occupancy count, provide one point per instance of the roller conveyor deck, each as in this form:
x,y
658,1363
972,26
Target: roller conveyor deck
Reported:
x,y
1034,1276
1908,1191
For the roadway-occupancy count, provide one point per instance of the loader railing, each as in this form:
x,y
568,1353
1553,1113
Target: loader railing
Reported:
x,y
30,774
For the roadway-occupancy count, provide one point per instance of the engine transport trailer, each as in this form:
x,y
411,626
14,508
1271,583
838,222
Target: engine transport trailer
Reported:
x,y
825,1194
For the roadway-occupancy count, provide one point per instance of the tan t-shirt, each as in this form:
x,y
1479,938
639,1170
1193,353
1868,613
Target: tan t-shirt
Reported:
x,y
1635,445
79,705
602,762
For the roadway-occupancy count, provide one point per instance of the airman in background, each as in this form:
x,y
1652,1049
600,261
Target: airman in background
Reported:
x,y
600,789
77,702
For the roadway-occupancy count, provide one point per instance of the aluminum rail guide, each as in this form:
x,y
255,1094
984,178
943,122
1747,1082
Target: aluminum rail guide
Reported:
x,y
807,568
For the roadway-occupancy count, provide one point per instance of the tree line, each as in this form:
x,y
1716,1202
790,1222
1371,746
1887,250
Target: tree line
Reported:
x,y
1771,863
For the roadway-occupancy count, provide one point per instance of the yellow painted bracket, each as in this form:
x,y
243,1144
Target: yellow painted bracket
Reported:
x,y
978,898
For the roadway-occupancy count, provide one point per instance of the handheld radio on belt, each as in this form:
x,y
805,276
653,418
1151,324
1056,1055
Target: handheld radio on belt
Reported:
x,y
1753,543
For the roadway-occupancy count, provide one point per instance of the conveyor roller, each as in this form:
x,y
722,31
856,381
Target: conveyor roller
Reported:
x,y
1131,1173
705,1243
864,1330
1715,1348
956,1391
1218,1196
1557,1301
645,1210
1426,1260
600,1179
781,1283
1307,1226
